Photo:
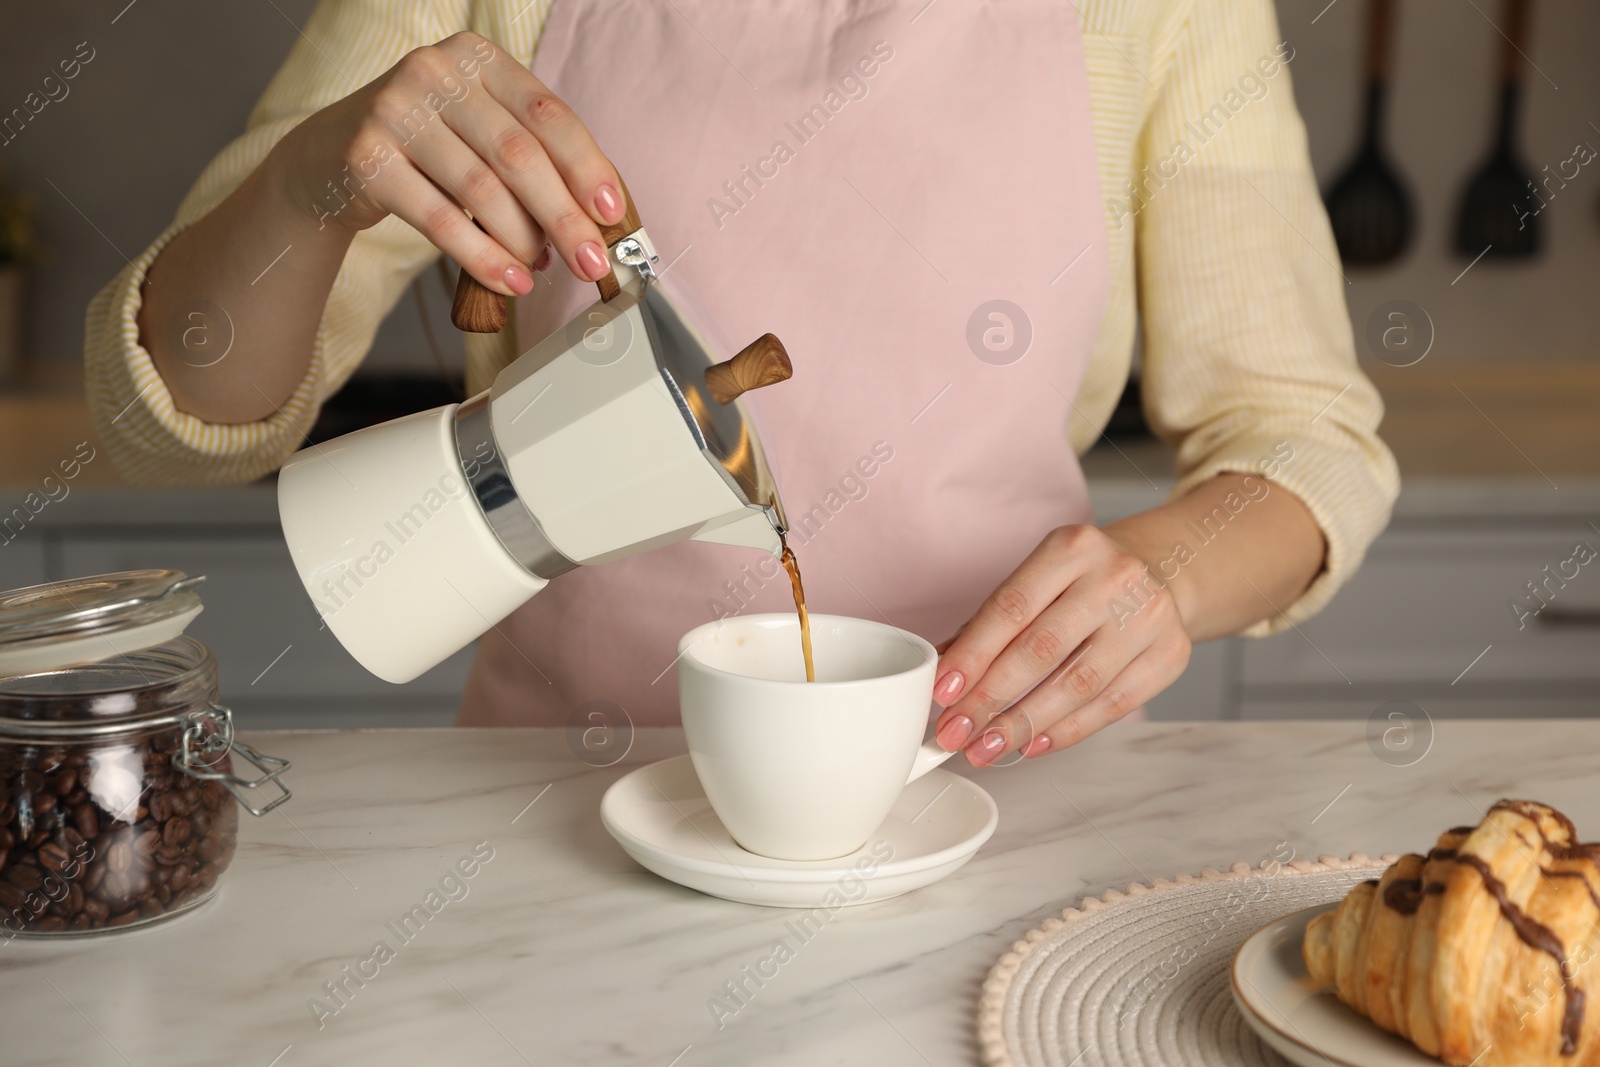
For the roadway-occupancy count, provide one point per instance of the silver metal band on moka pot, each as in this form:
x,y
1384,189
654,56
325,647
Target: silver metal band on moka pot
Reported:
x,y
485,472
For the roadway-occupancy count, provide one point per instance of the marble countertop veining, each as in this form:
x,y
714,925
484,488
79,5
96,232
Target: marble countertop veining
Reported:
x,y
563,951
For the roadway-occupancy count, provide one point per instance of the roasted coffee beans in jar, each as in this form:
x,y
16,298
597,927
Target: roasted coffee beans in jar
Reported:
x,y
119,805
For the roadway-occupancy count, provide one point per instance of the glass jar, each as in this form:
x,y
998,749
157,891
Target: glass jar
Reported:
x,y
117,791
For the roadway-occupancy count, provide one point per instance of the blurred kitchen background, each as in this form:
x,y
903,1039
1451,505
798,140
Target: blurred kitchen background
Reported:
x,y
1489,372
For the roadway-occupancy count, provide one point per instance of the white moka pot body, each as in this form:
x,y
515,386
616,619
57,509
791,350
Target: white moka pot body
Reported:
x,y
393,548
388,525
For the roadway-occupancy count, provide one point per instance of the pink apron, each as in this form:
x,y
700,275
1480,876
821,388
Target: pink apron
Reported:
x,y
906,194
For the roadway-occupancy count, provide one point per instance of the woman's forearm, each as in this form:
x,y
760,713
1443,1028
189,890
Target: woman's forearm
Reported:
x,y
231,305
1234,551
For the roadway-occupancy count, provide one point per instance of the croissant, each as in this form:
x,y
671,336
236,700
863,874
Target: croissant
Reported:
x,y
1480,952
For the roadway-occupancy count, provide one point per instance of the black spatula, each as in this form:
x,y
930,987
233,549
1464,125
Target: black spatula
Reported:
x,y
1368,205
1498,211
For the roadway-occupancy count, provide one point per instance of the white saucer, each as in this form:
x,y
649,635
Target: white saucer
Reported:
x,y
660,816
1278,999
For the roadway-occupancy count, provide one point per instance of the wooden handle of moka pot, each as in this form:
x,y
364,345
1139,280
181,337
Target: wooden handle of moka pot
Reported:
x,y
763,362
478,309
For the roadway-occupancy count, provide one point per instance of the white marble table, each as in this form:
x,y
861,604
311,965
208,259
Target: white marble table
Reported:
x,y
565,952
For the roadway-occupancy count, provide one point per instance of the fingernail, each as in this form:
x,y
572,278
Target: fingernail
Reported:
x,y
519,280
987,749
543,261
1037,747
953,734
946,689
608,203
593,261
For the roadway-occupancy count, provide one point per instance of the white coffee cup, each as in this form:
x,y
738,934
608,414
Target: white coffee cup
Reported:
x,y
801,770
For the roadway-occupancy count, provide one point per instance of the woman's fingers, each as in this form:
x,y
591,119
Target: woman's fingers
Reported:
x,y
1018,601
1058,657
1080,679
418,201
1150,672
526,166
452,165
583,168
522,161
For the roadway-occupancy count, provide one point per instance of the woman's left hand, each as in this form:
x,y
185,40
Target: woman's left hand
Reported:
x,y
1083,623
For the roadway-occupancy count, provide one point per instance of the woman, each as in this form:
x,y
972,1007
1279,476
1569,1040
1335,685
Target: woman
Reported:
x,y
947,211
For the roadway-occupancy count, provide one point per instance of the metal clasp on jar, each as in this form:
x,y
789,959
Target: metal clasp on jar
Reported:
x,y
198,743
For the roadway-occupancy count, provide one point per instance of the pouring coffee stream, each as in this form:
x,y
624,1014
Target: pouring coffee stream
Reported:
x,y
621,432
792,565
763,362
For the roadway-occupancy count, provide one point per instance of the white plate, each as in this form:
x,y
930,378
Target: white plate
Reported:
x,y
1307,1027
660,816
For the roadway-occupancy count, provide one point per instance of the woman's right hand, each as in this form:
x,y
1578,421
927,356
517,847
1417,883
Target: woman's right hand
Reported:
x,y
452,126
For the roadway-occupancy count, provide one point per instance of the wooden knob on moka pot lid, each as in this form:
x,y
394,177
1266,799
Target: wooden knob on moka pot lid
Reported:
x,y
763,362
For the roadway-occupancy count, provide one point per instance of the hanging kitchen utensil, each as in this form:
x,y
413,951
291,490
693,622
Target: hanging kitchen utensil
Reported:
x,y
1369,206
1499,214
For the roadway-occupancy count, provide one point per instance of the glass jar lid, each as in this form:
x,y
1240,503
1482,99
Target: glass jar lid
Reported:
x,y
84,620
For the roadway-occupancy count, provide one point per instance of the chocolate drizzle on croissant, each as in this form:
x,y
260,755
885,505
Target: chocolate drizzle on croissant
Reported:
x,y
1419,971
1535,934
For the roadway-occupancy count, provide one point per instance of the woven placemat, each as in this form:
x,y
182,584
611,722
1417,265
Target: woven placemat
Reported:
x,y
1141,977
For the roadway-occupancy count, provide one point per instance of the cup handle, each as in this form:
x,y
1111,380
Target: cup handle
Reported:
x,y
929,756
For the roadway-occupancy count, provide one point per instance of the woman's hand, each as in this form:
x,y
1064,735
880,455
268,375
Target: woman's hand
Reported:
x,y
1084,624
452,126
460,124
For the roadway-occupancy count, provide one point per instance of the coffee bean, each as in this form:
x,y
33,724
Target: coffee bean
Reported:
x,y
67,863
25,877
94,876
114,888
53,857
87,820
176,832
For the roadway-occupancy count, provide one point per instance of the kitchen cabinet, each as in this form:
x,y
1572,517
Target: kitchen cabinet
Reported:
x,y
1428,618
1433,595
1437,706
22,561
275,657
278,666
1427,602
